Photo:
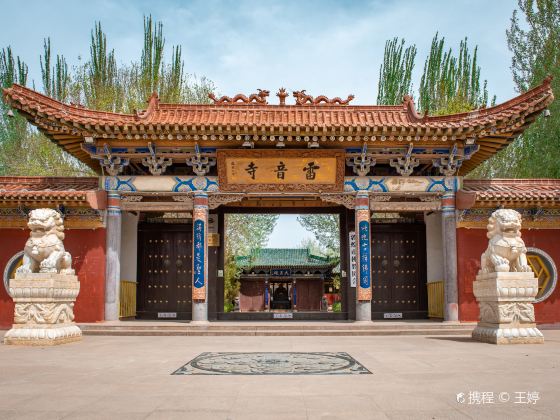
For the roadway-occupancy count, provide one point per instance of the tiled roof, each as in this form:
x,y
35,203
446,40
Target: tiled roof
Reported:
x,y
512,192
493,128
61,190
285,258
45,184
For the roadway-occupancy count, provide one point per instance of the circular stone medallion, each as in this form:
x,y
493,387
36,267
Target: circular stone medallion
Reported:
x,y
280,363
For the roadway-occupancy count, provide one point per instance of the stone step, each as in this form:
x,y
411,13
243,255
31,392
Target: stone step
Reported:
x,y
275,332
380,326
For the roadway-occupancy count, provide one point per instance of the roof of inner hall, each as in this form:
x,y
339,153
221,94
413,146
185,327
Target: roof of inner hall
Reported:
x,y
285,258
227,124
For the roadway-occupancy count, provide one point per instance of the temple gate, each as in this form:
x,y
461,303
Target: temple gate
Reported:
x,y
173,170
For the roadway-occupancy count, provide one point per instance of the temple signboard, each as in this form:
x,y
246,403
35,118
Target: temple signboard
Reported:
x,y
284,170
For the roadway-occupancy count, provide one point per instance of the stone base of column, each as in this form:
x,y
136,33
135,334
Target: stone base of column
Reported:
x,y
451,312
111,311
44,309
44,336
199,313
363,311
505,334
507,315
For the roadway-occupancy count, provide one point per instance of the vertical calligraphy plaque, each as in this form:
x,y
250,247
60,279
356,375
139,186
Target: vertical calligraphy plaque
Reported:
x,y
353,257
364,247
200,257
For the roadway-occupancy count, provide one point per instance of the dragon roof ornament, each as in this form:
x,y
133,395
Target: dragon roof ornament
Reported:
x,y
258,98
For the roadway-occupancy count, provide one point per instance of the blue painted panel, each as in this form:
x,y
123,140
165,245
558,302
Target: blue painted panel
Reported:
x,y
365,256
265,294
198,265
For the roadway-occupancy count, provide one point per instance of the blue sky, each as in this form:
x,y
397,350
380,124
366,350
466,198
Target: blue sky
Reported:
x,y
324,46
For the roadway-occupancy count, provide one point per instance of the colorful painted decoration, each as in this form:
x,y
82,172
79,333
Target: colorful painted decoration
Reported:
x,y
365,272
199,254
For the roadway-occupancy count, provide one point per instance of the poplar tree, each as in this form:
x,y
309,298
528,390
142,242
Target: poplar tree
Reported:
x,y
152,57
395,73
56,79
13,127
449,83
98,83
101,87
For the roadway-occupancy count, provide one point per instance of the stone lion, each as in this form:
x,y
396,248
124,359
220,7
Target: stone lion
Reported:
x,y
44,251
506,250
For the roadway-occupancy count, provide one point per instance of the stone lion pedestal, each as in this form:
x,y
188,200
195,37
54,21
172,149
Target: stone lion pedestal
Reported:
x,y
45,287
44,311
506,301
505,287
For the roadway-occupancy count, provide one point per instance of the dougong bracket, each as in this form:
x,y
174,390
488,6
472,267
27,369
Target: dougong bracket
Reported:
x,y
448,166
201,164
156,165
113,165
361,164
405,164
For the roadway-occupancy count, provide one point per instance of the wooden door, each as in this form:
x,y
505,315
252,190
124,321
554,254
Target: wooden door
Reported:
x,y
309,293
399,271
164,271
251,295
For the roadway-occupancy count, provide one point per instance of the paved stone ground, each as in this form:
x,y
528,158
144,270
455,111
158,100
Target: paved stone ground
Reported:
x,y
413,377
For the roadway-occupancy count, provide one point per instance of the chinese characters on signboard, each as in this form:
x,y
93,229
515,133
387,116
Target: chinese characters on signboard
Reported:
x,y
198,263
280,272
280,170
285,170
364,255
352,245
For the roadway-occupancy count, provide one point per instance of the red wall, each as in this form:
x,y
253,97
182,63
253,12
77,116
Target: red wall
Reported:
x,y
471,243
87,247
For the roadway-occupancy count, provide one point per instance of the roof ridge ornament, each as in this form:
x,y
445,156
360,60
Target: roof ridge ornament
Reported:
x,y
302,98
253,99
282,95
153,104
410,107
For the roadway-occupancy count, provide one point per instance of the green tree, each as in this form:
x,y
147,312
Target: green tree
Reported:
x,y
449,83
313,246
101,87
13,127
326,229
534,40
98,83
56,80
243,233
395,73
